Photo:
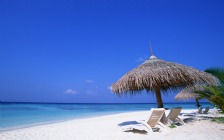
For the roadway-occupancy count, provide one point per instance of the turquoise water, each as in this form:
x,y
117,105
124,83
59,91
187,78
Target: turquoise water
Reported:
x,y
19,115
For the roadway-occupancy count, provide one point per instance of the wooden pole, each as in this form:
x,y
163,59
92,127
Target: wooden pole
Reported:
x,y
159,98
197,103
160,104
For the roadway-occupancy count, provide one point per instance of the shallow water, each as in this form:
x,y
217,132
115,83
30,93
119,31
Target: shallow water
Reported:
x,y
18,115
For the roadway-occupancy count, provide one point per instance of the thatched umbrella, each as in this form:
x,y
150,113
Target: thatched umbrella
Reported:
x,y
158,75
186,96
189,93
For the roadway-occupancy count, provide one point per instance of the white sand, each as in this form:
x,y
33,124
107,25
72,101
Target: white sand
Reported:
x,y
106,128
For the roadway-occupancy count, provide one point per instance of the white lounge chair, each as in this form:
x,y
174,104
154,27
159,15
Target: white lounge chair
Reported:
x,y
173,116
155,118
206,110
200,110
151,123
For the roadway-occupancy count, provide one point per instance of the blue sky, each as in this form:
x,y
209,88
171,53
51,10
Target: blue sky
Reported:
x,y
74,50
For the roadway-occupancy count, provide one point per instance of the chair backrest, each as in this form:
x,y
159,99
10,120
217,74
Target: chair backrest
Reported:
x,y
200,110
174,112
155,116
206,110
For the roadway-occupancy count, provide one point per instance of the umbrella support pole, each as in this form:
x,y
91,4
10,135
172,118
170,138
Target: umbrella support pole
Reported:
x,y
197,103
158,98
160,105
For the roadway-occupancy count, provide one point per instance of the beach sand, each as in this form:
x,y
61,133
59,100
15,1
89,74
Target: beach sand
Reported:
x,y
107,128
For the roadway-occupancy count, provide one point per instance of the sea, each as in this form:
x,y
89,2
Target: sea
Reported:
x,y
21,115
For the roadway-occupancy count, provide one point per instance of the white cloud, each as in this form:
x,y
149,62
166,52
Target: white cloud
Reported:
x,y
89,92
110,88
89,81
141,59
70,91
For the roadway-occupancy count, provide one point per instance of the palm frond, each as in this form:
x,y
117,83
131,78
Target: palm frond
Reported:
x,y
217,72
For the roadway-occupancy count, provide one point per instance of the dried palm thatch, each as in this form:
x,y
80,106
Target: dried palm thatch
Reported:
x,y
186,96
156,74
188,93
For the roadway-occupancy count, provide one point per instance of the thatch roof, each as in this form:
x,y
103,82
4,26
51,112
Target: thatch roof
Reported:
x,y
155,73
189,92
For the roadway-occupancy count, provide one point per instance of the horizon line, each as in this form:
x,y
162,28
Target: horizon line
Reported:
x,y
92,103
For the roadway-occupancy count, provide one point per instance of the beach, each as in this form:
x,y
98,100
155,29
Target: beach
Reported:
x,y
107,127
95,69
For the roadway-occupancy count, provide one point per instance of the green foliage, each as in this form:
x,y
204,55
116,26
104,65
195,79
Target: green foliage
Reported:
x,y
215,94
217,72
172,126
218,120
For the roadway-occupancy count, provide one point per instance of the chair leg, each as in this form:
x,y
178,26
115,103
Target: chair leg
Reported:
x,y
149,127
161,124
180,120
165,127
170,122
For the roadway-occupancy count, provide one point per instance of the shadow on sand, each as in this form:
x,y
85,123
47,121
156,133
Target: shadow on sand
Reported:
x,y
128,123
133,130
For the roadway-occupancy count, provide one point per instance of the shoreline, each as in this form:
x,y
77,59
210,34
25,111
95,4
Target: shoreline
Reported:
x,y
40,114
70,119
65,120
107,127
